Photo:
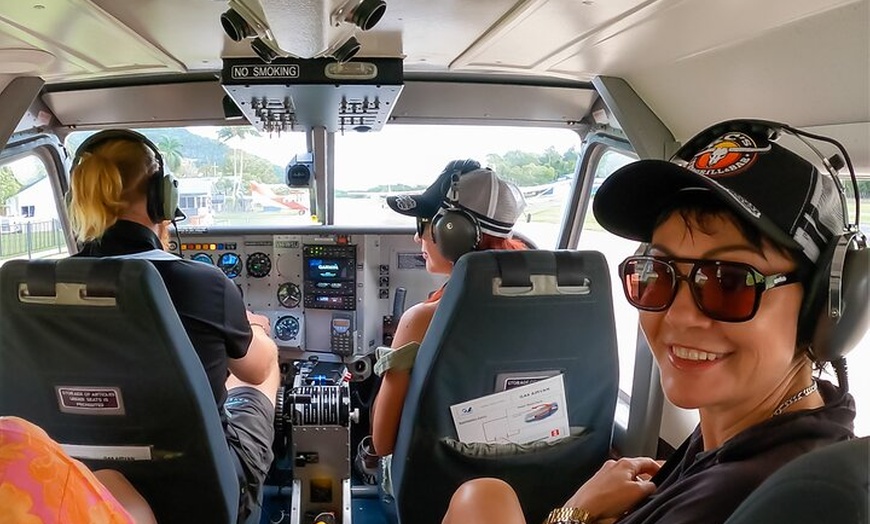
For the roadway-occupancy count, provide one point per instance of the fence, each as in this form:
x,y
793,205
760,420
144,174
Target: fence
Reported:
x,y
32,239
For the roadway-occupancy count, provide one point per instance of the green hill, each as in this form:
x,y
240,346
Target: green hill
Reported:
x,y
202,151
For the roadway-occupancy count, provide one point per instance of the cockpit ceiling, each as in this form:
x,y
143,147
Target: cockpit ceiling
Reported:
x,y
692,62
574,39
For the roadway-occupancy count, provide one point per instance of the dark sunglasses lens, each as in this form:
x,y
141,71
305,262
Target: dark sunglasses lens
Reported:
x,y
421,224
725,291
648,283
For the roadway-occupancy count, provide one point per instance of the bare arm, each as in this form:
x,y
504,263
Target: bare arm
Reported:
x,y
255,366
387,410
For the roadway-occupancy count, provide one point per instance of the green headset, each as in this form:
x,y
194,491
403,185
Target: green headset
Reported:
x,y
162,193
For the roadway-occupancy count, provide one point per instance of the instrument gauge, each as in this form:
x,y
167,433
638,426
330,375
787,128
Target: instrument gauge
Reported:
x,y
289,295
205,258
230,264
259,265
287,328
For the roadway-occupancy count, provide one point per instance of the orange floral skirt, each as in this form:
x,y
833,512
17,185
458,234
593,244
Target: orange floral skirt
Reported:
x,y
41,484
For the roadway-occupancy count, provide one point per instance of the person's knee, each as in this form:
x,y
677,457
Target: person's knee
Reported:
x,y
484,499
484,489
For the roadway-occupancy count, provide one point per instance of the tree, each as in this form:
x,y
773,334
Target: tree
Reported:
x,y
170,150
9,185
530,169
225,134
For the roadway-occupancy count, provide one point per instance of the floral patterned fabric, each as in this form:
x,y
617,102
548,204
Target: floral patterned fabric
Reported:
x,y
41,484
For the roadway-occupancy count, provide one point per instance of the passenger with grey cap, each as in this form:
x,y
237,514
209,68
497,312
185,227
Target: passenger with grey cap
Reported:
x,y
467,208
743,239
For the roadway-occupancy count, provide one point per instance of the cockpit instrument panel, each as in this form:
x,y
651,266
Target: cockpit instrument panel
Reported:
x,y
230,264
289,294
330,276
205,258
259,265
325,292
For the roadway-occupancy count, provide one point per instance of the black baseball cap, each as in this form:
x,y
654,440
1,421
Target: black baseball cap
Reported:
x,y
776,190
427,204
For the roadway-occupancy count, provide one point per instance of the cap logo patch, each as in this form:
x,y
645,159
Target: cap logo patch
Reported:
x,y
405,202
728,155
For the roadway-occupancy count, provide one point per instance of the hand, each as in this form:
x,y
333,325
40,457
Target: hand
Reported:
x,y
259,320
617,487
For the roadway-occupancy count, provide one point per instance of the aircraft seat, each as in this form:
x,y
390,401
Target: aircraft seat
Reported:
x,y
92,351
829,484
510,316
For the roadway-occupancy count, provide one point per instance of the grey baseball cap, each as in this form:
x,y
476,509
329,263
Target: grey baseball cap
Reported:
x,y
493,201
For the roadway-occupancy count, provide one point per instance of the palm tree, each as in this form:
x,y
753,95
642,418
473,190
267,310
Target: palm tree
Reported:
x,y
225,134
170,149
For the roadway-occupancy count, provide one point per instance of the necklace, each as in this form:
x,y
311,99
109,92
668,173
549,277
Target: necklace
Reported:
x,y
794,398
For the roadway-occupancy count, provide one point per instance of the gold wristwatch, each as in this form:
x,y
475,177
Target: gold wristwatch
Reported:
x,y
568,516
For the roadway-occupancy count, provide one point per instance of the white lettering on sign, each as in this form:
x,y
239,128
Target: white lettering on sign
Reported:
x,y
90,400
243,72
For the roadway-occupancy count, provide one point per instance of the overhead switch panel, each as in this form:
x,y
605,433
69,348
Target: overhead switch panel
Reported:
x,y
296,94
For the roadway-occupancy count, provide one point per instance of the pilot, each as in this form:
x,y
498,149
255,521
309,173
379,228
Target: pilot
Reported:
x,y
464,195
733,243
121,200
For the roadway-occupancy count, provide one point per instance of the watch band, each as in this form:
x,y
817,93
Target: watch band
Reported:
x,y
569,516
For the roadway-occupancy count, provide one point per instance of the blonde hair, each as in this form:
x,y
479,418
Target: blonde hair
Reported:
x,y
105,182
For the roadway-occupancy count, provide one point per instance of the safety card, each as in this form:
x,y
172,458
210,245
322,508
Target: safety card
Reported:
x,y
524,414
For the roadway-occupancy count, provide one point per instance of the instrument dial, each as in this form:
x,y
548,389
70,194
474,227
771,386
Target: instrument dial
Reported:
x,y
289,295
230,264
287,328
259,265
203,257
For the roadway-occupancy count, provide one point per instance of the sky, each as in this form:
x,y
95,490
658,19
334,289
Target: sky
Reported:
x,y
412,155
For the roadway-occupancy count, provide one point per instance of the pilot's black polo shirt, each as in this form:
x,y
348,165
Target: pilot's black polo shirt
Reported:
x,y
208,303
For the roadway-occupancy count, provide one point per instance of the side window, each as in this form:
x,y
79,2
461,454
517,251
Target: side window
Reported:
x,y
615,249
29,224
859,357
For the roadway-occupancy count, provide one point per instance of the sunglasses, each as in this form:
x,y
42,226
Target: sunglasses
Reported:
x,y
421,225
724,291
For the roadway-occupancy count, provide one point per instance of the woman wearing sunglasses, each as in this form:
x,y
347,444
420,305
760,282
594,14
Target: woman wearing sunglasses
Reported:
x,y
733,234
491,206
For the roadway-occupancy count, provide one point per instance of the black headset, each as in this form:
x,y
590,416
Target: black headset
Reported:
x,y
455,230
162,194
834,313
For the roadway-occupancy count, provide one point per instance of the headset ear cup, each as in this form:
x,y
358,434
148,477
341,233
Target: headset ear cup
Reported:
x,y
155,198
162,197
456,233
169,197
835,335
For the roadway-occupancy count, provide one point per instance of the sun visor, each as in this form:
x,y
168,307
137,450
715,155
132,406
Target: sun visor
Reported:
x,y
290,94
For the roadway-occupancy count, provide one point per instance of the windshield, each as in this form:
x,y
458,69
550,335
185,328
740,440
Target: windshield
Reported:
x,y
235,176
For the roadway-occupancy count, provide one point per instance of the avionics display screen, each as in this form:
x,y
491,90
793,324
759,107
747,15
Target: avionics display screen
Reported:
x,y
330,269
